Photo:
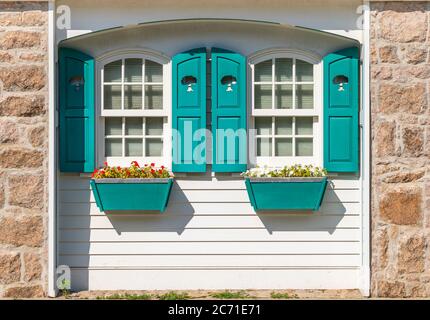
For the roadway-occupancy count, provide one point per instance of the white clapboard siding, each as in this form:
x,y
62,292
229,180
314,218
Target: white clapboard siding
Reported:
x,y
263,278
210,261
212,248
148,223
206,235
210,208
198,196
209,225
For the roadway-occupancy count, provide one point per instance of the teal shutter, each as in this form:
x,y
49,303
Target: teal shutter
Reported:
x,y
76,111
189,111
229,111
341,111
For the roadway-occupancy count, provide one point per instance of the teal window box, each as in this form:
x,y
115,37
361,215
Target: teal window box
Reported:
x,y
286,193
132,194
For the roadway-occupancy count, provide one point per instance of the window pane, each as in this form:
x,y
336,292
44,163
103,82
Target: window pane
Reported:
x,y
284,126
113,147
263,71
263,125
304,147
153,71
154,97
133,97
112,97
264,147
283,69
284,147
133,70
113,126
112,71
133,126
154,126
305,96
263,96
304,126
133,148
304,71
284,96
154,147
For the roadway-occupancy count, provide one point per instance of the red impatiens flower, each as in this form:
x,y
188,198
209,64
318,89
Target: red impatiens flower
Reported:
x,y
152,164
162,167
106,164
135,164
152,171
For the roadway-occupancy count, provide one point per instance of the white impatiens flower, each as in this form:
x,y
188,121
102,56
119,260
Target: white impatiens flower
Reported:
x,y
287,171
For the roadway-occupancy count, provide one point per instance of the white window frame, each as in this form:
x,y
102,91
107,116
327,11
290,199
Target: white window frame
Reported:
x,y
166,158
316,112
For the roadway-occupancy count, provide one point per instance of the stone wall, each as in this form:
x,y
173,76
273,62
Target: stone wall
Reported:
x,y
23,149
400,84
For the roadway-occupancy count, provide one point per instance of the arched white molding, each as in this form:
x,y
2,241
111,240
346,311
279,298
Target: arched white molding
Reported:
x,y
265,54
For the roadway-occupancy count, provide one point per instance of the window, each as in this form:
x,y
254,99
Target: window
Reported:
x,y
134,99
285,111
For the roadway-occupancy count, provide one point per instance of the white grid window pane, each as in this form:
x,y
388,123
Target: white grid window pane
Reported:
x,y
133,70
154,147
263,71
133,97
113,147
263,125
284,126
113,126
154,126
283,147
284,96
283,69
264,147
305,96
263,96
133,126
153,71
112,71
304,147
112,97
304,126
153,97
304,71
133,148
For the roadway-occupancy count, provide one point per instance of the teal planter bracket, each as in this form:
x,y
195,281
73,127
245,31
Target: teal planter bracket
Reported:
x,y
132,194
286,193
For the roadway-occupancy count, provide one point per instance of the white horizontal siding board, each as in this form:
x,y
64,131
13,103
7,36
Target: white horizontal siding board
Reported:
x,y
209,261
81,183
271,223
207,235
213,279
223,196
213,208
212,248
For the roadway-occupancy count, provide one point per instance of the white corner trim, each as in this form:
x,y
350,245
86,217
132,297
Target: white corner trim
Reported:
x,y
52,223
365,272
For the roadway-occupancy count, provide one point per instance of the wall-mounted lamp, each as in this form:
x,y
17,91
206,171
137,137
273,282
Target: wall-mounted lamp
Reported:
x,y
229,81
77,82
189,81
341,80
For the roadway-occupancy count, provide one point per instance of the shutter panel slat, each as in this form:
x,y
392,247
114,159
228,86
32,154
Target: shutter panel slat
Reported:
x,y
76,111
229,111
341,111
189,111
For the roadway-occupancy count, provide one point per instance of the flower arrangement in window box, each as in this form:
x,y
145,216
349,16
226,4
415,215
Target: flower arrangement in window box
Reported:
x,y
138,188
290,188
